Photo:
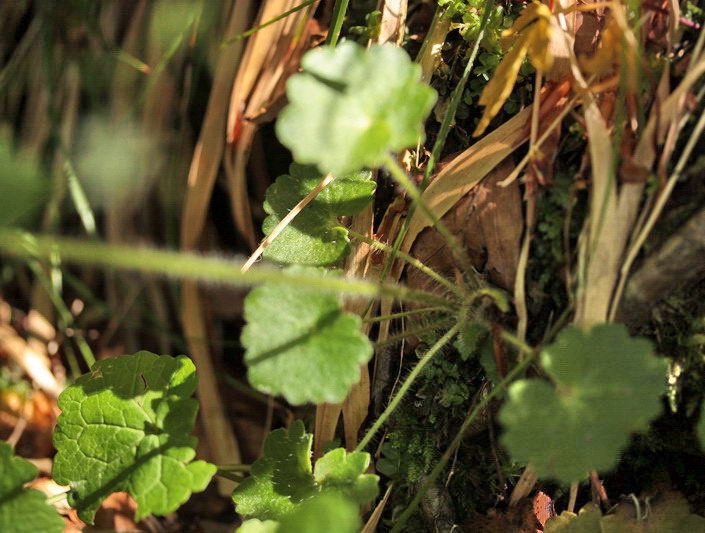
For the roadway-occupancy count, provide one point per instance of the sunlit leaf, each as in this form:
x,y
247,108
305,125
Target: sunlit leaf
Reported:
x,y
369,102
300,344
607,386
324,513
283,480
23,510
125,427
315,237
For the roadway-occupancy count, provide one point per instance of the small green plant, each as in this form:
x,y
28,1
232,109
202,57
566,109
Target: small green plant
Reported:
x,y
125,425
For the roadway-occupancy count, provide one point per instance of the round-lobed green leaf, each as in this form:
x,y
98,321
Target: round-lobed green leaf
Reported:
x,y
300,344
351,106
607,386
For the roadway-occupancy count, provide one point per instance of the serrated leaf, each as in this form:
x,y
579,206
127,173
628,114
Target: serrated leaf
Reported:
x,y
324,513
125,427
315,237
607,386
300,344
282,480
339,471
369,102
23,510
257,526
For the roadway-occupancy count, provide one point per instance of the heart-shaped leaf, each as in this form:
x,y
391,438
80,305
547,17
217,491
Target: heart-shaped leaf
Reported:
x,y
300,344
607,386
369,102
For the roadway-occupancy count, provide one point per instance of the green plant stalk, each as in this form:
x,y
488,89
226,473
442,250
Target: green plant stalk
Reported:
x,y
517,370
412,261
436,324
229,475
400,176
268,23
455,98
78,196
399,396
336,23
14,242
403,314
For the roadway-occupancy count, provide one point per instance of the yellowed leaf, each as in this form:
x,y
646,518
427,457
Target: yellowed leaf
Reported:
x,y
530,34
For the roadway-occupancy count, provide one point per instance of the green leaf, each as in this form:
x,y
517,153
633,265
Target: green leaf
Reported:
x,y
300,344
125,427
256,526
23,510
339,471
608,386
324,513
368,102
315,237
470,336
282,480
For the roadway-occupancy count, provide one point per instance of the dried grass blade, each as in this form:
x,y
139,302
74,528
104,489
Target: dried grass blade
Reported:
x,y
603,247
466,171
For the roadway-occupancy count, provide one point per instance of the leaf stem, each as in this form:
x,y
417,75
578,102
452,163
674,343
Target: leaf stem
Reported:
x,y
412,261
445,339
517,370
436,324
229,475
268,23
284,222
191,266
403,314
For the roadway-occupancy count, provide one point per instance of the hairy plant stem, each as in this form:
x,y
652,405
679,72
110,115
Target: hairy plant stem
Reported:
x,y
428,482
190,266
399,396
443,322
412,261
403,314
400,176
